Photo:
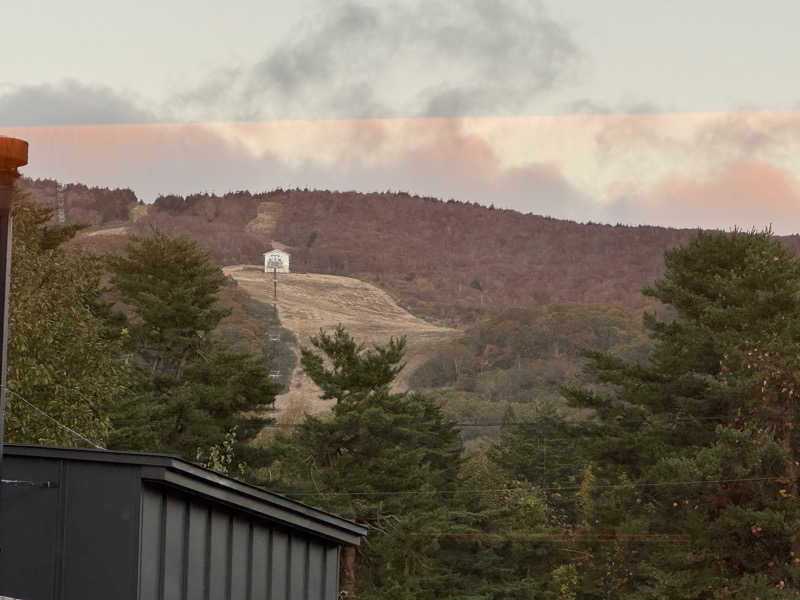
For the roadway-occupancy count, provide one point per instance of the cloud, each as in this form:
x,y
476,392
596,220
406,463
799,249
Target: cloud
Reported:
x,y
215,89
418,58
718,137
714,171
69,103
355,59
542,188
743,193
442,160
625,107
434,157
739,135
151,159
316,56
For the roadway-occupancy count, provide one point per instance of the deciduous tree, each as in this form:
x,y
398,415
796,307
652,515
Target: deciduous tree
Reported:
x,y
65,365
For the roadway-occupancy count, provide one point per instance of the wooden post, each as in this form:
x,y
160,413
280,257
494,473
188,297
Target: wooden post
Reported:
x,y
347,573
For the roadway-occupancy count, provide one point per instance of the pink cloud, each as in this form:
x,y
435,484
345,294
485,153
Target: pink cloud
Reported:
x,y
743,193
435,157
752,184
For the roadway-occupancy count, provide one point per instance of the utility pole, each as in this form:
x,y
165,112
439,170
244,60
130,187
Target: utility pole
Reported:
x,y
275,283
13,154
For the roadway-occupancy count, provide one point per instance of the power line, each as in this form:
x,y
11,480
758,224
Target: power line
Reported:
x,y
56,421
565,538
560,488
678,419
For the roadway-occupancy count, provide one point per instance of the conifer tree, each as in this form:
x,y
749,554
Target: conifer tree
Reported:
x,y
440,526
389,460
190,392
353,368
171,287
696,489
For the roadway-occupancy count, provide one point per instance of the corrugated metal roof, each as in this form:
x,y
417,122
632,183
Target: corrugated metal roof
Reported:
x,y
192,478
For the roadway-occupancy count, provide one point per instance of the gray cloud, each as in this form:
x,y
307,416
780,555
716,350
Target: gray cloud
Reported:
x,y
68,103
723,137
318,55
351,60
416,58
625,107
743,135
216,89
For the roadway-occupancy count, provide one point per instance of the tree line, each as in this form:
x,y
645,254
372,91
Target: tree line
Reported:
x,y
679,481
121,349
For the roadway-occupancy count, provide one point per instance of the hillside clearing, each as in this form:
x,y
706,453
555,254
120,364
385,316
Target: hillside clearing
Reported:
x,y
110,231
309,302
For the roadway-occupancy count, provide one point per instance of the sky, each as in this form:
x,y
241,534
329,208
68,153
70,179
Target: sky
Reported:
x,y
679,114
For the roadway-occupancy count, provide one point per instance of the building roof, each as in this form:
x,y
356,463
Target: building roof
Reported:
x,y
194,479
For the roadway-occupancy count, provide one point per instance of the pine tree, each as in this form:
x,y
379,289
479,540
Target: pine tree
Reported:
x,y
696,469
440,526
190,392
171,286
389,460
353,368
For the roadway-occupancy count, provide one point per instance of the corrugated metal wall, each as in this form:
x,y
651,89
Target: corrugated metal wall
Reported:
x,y
76,541
192,551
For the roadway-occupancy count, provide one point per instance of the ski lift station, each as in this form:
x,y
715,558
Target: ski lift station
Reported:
x,y
276,261
94,524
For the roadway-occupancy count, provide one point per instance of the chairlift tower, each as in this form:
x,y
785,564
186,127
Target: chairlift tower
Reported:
x,y
276,261
61,212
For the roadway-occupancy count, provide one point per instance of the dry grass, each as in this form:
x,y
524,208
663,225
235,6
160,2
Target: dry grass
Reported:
x,y
268,213
309,302
110,231
138,211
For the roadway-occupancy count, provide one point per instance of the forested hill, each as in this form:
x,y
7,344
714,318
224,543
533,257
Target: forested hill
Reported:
x,y
82,204
442,259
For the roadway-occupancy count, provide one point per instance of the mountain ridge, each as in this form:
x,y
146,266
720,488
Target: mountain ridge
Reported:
x,y
444,260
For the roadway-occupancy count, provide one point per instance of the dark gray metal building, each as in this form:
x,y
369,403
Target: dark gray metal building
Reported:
x,y
88,524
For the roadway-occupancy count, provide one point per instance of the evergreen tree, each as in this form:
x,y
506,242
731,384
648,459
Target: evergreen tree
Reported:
x,y
190,393
389,460
693,491
171,286
353,368
440,526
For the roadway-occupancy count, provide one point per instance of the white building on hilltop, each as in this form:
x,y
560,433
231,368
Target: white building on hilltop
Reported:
x,y
276,260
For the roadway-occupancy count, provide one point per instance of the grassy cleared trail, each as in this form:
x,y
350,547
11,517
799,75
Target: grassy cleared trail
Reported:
x,y
308,302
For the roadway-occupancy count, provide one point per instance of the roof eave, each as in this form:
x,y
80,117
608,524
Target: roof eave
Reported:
x,y
192,478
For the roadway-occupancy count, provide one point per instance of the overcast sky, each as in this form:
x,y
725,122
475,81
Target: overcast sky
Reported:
x,y
675,113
